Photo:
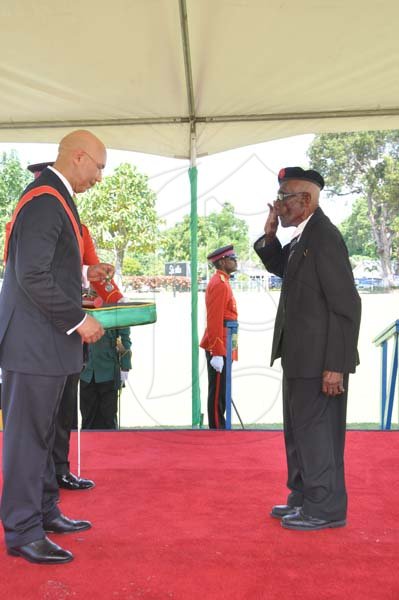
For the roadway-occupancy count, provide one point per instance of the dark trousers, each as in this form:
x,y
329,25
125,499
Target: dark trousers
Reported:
x,y
216,395
66,420
30,490
314,432
98,405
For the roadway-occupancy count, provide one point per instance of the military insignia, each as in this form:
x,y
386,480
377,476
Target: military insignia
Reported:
x,y
222,277
305,252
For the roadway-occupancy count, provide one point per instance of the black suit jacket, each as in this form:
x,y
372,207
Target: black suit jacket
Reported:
x,y
41,295
318,317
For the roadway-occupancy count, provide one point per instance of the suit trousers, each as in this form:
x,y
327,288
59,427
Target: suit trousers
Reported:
x,y
99,404
314,433
30,490
216,395
66,420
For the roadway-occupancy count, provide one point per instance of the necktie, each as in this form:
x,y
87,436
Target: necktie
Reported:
x,y
293,243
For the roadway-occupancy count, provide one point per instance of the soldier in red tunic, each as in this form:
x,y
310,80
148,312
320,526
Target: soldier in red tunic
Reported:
x,y
220,307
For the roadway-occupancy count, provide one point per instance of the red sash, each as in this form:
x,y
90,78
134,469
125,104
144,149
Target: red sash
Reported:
x,y
38,191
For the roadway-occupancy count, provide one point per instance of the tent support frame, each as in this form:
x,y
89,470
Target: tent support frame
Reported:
x,y
300,116
196,420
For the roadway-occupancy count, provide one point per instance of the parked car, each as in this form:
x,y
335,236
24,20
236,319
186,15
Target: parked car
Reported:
x,y
275,282
368,284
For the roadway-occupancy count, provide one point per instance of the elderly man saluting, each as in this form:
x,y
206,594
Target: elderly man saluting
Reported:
x,y
42,327
315,334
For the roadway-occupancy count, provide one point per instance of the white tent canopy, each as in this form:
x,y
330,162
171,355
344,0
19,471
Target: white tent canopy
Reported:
x,y
141,76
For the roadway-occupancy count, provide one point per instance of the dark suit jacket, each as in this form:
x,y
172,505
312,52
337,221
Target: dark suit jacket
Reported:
x,y
318,317
41,295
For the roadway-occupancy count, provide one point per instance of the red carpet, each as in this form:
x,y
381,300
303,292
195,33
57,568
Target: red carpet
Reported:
x,y
184,515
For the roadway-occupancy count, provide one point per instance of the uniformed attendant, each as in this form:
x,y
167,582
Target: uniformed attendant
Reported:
x,y
108,292
220,307
106,370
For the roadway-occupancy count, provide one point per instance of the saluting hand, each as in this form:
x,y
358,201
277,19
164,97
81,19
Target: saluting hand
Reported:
x,y
271,224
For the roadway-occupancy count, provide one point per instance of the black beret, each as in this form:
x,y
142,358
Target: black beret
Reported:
x,y
39,167
299,173
221,253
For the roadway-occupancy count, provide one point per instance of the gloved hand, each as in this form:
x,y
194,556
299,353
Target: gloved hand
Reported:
x,y
124,300
217,363
124,376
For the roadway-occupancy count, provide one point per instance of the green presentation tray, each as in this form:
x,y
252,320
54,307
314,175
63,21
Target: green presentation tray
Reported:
x,y
130,314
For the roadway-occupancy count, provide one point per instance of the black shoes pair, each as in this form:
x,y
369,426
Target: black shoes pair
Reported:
x,y
293,517
69,481
44,551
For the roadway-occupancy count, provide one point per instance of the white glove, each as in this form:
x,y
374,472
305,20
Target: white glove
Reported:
x,y
124,376
124,300
217,363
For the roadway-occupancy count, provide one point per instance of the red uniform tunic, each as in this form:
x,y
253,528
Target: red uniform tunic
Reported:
x,y
90,258
220,307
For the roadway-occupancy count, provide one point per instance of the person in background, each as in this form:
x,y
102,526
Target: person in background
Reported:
x,y
220,307
42,327
106,370
315,334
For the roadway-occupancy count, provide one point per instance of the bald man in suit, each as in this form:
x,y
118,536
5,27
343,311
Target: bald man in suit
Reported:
x,y
42,327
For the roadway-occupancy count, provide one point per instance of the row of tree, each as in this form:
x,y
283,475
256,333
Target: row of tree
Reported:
x,y
121,213
121,216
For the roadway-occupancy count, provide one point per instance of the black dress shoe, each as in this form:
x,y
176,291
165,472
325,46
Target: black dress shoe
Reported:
x,y
42,551
302,522
62,524
282,510
69,481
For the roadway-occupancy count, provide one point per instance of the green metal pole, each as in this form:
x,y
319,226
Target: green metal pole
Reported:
x,y
196,400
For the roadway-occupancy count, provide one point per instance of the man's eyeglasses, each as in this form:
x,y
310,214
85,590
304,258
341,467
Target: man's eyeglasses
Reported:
x,y
99,166
282,196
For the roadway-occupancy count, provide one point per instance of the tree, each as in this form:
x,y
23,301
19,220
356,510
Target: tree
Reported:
x,y
225,228
356,230
215,230
175,241
365,163
13,180
120,213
